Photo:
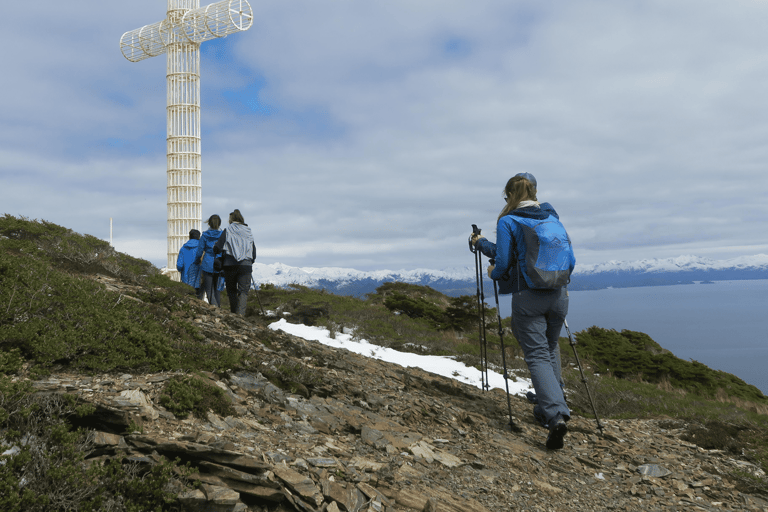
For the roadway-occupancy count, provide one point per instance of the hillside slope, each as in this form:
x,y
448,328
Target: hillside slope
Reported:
x,y
271,422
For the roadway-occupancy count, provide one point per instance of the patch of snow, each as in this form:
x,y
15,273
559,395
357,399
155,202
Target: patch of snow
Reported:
x,y
439,365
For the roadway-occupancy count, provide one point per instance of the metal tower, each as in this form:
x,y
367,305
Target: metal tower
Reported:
x,y
179,36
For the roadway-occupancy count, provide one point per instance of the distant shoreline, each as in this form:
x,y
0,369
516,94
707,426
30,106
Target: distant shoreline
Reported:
x,y
719,326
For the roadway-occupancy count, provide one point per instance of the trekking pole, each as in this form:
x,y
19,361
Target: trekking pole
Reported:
x,y
256,289
484,346
481,311
512,425
583,379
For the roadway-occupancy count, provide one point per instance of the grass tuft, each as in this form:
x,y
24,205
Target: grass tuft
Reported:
x,y
197,395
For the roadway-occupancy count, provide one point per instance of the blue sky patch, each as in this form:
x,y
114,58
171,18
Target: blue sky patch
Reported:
x,y
457,47
246,99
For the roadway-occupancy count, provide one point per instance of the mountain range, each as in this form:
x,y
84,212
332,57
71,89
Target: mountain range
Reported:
x,y
461,280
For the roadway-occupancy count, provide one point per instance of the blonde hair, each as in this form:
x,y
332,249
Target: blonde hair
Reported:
x,y
518,189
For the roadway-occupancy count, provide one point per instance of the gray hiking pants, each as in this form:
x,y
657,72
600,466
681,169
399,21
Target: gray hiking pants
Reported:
x,y
537,319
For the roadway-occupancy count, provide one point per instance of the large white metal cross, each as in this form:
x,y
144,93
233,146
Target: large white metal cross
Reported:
x,y
179,36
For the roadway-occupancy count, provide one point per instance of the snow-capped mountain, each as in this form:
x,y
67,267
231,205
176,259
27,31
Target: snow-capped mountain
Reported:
x,y
348,281
659,272
681,263
461,281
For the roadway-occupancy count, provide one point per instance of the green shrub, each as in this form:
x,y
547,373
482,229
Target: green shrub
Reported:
x,y
195,394
154,490
11,361
69,250
630,354
52,319
415,308
715,435
411,290
462,313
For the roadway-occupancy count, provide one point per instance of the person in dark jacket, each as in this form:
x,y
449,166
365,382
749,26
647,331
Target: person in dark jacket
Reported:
x,y
239,252
185,262
204,257
537,315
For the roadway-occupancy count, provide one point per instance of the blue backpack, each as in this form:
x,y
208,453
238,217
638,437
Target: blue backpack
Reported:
x,y
548,255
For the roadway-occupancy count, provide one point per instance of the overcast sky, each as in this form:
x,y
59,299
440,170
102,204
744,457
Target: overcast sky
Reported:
x,y
373,134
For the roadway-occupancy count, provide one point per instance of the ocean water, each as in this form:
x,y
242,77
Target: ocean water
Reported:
x,y
723,325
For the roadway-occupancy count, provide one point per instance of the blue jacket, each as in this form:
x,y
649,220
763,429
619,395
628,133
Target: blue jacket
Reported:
x,y
185,263
207,241
503,251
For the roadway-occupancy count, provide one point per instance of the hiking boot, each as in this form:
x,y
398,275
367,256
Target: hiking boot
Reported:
x,y
531,396
540,419
556,434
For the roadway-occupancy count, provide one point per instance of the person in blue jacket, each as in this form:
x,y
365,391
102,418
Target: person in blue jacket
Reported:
x,y
204,257
537,315
185,262
239,252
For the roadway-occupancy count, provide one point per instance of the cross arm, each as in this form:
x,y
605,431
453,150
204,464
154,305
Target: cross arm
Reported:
x,y
196,26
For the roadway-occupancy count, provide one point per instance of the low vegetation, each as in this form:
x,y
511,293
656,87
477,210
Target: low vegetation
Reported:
x,y
54,316
46,468
195,394
401,316
70,251
634,355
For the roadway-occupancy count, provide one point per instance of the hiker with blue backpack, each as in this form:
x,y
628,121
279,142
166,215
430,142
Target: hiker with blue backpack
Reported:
x,y
210,277
533,261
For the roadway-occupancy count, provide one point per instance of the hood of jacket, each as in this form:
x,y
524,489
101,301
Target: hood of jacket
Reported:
x,y
211,235
540,212
191,244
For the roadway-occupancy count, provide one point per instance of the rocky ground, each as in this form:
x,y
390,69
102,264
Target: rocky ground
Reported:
x,y
375,436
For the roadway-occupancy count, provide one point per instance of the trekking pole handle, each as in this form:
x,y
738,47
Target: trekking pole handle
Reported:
x,y
475,231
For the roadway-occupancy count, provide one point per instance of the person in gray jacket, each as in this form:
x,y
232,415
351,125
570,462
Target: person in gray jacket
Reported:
x,y
239,252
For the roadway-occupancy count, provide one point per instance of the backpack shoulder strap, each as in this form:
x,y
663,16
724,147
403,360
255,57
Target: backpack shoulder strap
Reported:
x,y
505,276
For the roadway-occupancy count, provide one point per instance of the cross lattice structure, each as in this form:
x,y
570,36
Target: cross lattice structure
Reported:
x,y
179,36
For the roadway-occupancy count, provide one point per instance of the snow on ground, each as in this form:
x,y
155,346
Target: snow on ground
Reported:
x,y
439,365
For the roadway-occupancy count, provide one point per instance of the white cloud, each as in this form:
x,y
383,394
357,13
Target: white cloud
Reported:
x,y
374,134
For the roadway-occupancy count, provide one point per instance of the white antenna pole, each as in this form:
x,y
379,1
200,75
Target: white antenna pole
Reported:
x,y
110,232
179,36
